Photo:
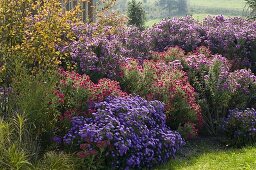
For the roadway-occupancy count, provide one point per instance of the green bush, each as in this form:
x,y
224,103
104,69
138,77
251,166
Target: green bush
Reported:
x,y
31,96
14,144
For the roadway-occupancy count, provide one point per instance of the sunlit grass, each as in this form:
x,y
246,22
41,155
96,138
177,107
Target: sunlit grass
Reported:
x,y
229,4
151,22
211,155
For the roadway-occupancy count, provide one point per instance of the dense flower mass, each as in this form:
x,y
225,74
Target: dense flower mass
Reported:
x,y
240,80
76,93
95,49
100,49
135,129
240,126
232,37
184,32
157,80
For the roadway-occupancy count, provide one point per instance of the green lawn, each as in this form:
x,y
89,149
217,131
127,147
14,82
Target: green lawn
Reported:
x,y
198,17
228,4
210,154
151,22
202,8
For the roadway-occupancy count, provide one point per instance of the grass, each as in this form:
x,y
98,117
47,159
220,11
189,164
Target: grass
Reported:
x,y
202,8
151,22
210,154
228,4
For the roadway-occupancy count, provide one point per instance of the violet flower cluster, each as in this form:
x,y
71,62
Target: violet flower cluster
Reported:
x,y
135,128
240,126
184,32
99,49
95,49
240,81
234,38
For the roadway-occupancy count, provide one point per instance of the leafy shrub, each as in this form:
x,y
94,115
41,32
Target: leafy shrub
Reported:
x,y
14,144
76,95
30,33
219,88
157,80
171,54
240,126
30,96
134,128
188,130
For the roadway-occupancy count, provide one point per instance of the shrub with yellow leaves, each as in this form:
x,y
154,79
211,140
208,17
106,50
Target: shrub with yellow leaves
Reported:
x,y
30,32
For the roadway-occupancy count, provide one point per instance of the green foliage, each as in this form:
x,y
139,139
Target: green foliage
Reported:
x,y
214,102
30,33
55,161
136,14
155,80
31,95
14,144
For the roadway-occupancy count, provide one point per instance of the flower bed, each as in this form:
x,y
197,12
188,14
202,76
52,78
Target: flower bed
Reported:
x,y
131,130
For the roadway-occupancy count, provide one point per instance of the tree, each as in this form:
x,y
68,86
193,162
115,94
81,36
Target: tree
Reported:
x,y
174,7
182,6
136,14
168,5
252,6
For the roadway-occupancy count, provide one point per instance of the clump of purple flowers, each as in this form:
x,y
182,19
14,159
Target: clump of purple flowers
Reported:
x,y
234,38
184,32
240,80
135,129
240,126
94,49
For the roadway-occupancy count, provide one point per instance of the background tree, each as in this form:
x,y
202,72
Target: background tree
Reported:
x,y
168,5
136,14
252,7
182,6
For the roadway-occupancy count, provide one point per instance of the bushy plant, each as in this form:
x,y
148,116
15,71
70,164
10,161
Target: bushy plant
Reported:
x,y
157,80
171,54
14,144
219,88
57,161
135,43
232,37
76,94
98,50
30,32
184,32
240,126
30,96
131,130
136,14
188,130
95,50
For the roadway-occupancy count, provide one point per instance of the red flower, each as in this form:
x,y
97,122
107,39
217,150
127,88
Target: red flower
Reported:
x,y
84,146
